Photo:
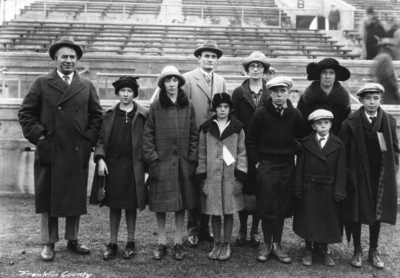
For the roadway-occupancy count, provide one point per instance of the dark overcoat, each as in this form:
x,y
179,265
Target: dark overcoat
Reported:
x,y
320,178
170,149
337,101
244,108
222,190
139,119
70,119
359,206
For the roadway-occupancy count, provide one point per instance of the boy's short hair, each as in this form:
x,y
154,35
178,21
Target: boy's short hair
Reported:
x,y
370,88
319,115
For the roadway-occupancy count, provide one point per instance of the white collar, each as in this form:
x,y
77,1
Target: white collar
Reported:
x,y
70,76
368,115
319,137
204,72
283,106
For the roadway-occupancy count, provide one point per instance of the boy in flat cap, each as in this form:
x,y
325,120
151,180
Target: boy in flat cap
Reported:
x,y
270,144
319,184
372,149
246,98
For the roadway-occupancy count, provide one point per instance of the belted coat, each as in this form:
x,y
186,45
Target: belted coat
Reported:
x,y
69,116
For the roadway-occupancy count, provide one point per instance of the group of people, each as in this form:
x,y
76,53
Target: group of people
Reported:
x,y
214,154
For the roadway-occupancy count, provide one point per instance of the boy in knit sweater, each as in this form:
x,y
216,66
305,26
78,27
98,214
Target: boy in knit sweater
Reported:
x,y
271,146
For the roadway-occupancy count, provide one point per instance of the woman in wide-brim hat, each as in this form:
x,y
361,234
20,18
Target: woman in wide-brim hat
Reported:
x,y
170,149
326,92
119,163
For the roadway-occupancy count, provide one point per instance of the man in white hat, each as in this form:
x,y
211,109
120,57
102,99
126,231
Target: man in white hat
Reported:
x,y
61,115
201,85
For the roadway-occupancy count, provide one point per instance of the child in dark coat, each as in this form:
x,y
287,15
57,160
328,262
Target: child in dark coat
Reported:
x,y
319,183
270,144
372,147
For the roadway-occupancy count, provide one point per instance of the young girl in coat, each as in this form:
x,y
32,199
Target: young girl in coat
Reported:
x,y
222,170
170,146
319,184
119,160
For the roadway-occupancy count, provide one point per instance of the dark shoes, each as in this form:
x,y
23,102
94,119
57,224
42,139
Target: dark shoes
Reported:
x,y
326,257
241,240
264,254
77,247
129,250
193,241
111,251
178,252
225,253
307,257
356,261
160,252
254,241
47,253
373,258
278,253
215,252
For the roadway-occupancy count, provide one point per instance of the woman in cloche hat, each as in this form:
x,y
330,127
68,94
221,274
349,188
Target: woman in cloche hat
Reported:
x,y
170,145
119,163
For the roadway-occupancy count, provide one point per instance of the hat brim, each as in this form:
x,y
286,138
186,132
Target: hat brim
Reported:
x,y
342,73
217,51
278,85
161,79
359,94
54,47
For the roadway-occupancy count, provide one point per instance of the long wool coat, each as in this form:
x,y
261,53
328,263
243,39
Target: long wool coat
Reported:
x,y
199,93
337,101
138,122
222,189
244,108
359,206
317,215
70,119
170,149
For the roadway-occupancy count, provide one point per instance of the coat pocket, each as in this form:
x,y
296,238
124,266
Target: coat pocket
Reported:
x,y
237,188
44,152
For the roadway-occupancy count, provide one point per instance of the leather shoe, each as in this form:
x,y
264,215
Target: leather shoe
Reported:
x,y
225,253
215,252
47,253
356,261
129,250
326,257
264,254
160,252
193,241
207,236
307,258
178,252
278,253
77,247
110,252
373,257
241,240
254,241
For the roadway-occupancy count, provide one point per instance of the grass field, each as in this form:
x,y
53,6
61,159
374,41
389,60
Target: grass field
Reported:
x,y
20,249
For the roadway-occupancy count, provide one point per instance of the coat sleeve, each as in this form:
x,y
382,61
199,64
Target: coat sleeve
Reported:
x,y
345,136
99,151
201,171
95,116
235,101
300,126
339,189
298,184
241,159
194,136
149,139
395,141
252,139
29,113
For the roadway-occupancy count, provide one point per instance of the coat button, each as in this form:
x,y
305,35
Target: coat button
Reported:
x,y
58,149
218,173
59,108
219,144
78,129
219,157
77,149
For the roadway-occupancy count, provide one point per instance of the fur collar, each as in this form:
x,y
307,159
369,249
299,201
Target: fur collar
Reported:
x,y
182,100
339,96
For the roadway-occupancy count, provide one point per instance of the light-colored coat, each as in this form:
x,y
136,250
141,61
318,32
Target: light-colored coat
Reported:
x,y
70,118
197,90
222,189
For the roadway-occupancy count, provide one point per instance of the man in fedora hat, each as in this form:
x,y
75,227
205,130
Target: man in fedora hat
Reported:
x,y
61,115
201,85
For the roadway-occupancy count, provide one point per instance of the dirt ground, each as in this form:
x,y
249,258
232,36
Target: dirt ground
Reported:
x,y
20,249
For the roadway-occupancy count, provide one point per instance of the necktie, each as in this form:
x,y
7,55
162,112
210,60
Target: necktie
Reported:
x,y
208,79
320,141
279,109
66,79
372,120
256,98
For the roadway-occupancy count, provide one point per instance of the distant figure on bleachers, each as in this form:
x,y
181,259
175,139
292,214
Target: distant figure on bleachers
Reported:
x,y
333,18
385,75
371,31
201,85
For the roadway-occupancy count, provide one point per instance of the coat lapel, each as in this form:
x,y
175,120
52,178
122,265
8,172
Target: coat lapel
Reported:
x,y
75,87
356,126
312,145
56,82
202,84
331,145
108,121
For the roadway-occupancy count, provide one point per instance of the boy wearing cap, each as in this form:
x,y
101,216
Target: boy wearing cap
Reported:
x,y
372,149
270,144
246,99
222,170
319,184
